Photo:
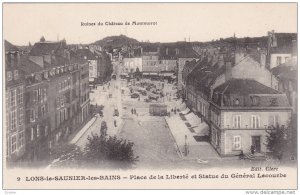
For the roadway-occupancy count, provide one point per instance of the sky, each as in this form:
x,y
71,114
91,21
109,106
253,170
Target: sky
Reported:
x,y
27,22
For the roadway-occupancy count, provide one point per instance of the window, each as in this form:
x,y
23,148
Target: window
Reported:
x,y
66,114
273,102
63,86
62,115
62,102
9,75
13,143
33,115
37,130
13,118
21,116
46,130
236,102
278,60
255,121
57,103
32,133
237,121
21,139
273,120
255,100
59,87
204,110
286,59
12,99
20,95
16,74
35,95
43,110
45,94
237,142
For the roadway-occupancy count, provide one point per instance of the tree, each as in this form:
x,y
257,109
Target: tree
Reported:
x,y
100,148
277,141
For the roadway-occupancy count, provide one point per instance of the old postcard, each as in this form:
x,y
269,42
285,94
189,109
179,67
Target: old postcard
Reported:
x,y
150,96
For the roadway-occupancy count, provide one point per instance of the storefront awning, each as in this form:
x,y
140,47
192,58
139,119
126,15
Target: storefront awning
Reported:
x,y
193,119
185,111
202,129
167,74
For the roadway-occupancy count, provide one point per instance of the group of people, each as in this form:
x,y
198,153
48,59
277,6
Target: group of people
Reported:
x,y
174,110
133,111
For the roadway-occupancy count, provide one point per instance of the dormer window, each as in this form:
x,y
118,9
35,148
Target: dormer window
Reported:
x,y
273,102
9,75
255,100
236,102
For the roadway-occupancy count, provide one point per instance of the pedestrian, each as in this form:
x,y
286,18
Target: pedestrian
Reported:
x,y
131,110
115,123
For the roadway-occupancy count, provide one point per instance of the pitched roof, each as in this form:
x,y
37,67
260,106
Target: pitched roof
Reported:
x,y
248,93
10,47
82,53
28,66
44,48
287,70
187,52
244,86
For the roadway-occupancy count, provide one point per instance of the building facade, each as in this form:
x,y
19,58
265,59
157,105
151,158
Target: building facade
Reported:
x,y
14,104
241,111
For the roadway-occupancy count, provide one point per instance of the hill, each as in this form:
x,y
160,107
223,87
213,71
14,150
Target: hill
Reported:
x,y
116,41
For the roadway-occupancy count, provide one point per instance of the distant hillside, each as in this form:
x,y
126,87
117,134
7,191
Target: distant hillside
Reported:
x,y
116,41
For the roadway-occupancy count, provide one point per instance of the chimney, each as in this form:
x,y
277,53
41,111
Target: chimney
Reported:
x,y
228,72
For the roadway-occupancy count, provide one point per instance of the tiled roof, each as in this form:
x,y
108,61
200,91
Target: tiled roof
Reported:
x,y
248,93
244,86
187,52
29,67
44,48
10,47
81,53
287,70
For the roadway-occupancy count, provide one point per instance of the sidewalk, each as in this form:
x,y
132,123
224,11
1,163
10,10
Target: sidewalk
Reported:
x,y
84,129
184,139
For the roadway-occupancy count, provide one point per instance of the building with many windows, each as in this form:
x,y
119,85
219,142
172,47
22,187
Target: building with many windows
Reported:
x,y
241,111
47,98
36,109
14,104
